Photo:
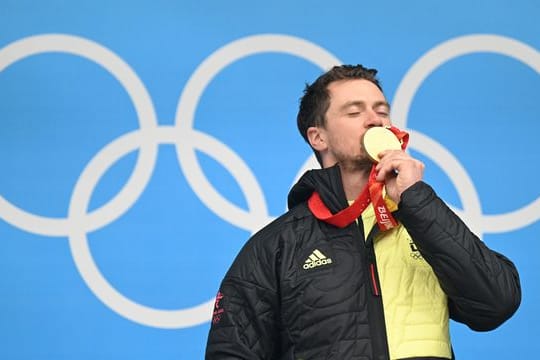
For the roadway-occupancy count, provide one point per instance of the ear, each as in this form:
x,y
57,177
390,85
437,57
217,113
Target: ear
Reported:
x,y
317,138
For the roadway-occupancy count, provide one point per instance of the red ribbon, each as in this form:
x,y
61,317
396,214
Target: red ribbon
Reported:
x,y
345,216
372,192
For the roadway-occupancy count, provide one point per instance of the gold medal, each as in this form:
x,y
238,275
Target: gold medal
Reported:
x,y
378,139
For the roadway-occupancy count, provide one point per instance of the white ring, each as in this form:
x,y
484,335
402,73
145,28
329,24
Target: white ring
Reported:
x,y
457,175
98,54
203,75
98,166
416,76
167,319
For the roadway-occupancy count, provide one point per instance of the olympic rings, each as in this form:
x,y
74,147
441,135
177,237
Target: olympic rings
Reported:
x,y
187,139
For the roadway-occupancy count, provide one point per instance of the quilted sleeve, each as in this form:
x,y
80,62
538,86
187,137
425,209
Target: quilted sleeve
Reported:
x,y
482,285
244,321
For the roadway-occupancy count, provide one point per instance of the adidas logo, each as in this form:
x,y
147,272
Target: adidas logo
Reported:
x,y
316,259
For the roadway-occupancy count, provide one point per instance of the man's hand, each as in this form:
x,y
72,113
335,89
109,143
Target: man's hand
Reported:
x,y
398,170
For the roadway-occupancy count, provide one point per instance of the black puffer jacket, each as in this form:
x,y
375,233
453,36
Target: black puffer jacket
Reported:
x,y
271,307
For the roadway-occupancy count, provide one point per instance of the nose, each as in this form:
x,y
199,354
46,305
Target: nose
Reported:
x,y
375,119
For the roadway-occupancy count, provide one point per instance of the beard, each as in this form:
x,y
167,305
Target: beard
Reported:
x,y
358,163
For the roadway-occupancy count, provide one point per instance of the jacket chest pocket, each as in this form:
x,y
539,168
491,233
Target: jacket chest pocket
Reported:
x,y
324,277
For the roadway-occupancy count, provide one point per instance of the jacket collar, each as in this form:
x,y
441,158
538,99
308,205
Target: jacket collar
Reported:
x,y
327,182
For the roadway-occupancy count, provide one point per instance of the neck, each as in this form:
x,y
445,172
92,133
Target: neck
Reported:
x,y
354,181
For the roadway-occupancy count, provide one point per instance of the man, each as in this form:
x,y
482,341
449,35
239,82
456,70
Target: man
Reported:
x,y
308,287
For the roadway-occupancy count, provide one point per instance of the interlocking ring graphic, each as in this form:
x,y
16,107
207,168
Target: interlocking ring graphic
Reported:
x,y
187,139
408,87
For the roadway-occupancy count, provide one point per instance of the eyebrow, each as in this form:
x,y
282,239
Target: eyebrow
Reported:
x,y
362,103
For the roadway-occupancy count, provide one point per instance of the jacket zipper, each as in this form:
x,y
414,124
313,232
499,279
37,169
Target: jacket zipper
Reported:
x,y
375,305
374,286
372,263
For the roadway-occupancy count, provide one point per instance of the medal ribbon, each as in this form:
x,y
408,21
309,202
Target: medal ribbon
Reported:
x,y
372,192
345,216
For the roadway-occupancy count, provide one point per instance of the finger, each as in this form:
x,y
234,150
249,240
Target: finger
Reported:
x,y
397,165
391,156
388,168
389,153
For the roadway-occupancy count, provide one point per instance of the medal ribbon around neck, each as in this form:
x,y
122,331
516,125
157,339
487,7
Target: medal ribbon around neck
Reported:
x,y
372,192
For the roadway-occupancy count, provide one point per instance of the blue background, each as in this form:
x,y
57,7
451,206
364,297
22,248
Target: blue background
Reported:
x,y
169,250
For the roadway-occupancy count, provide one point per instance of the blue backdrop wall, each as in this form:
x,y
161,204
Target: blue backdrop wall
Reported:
x,y
142,142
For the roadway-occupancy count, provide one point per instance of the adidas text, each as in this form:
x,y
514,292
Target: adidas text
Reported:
x,y
317,258
313,264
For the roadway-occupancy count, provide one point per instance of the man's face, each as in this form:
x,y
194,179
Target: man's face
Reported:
x,y
355,106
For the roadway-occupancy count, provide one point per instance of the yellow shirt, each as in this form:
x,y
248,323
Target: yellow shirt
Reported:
x,y
415,307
